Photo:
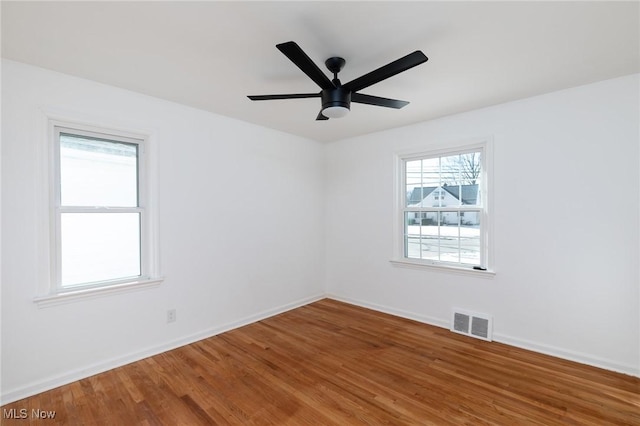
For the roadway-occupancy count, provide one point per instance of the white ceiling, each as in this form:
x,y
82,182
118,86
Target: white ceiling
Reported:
x,y
210,55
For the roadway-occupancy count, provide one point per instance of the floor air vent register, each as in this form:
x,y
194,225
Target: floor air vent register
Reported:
x,y
472,324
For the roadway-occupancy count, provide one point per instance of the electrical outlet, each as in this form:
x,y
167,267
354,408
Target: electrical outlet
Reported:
x,y
171,315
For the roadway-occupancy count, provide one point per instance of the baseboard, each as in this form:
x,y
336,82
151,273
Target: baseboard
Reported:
x,y
392,311
101,367
568,355
502,338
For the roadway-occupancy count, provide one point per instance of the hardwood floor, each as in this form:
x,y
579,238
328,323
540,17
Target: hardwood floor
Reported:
x,y
330,363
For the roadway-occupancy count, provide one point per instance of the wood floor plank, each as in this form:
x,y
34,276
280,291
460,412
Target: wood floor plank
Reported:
x,y
331,363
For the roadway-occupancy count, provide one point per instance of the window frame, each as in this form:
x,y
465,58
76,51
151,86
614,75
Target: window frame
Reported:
x,y
399,257
53,293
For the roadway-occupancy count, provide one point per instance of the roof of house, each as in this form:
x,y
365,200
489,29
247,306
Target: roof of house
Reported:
x,y
419,194
469,193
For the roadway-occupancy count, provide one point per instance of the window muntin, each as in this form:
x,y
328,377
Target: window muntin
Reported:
x,y
443,211
100,217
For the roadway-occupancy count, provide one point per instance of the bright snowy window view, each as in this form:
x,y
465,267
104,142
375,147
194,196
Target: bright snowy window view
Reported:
x,y
99,211
443,208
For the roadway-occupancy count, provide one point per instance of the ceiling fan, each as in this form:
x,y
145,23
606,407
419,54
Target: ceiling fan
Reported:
x,y
337,97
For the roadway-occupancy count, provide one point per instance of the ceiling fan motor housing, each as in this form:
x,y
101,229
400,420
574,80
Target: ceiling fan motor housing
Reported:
x,y
337,97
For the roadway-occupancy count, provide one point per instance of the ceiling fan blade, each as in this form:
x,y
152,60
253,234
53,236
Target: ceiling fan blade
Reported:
x,y
389,70
285,96
378,101
321,117
292,51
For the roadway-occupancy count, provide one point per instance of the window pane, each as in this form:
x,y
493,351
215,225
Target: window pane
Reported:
x,y
470,238
430,247
413,247
97,172
462,174
431,172
412,235
422,178
99,247
462,169
447,236
413,180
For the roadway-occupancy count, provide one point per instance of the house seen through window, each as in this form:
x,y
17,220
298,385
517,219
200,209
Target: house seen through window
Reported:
x,y
443,208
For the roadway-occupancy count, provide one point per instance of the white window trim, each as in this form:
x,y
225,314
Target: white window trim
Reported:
x,y
93,292
398,257
48,292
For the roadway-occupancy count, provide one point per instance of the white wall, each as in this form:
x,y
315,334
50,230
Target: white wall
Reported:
x,y
232,246
566,257
232,194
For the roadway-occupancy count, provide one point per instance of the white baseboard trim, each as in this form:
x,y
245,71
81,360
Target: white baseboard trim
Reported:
x,y
502,338
392,311
100,367
567,354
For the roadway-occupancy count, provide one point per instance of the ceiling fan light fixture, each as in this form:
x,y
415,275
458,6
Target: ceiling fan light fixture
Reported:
x,y
336,102
338,111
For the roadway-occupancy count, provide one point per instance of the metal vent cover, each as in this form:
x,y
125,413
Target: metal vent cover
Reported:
x,y
461,322
472,324
480,327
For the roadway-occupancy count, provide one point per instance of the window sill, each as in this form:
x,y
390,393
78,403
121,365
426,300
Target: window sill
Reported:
x,y
90,293
406,263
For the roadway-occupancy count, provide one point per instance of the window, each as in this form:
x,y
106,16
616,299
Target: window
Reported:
x,y
100,213
442,208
